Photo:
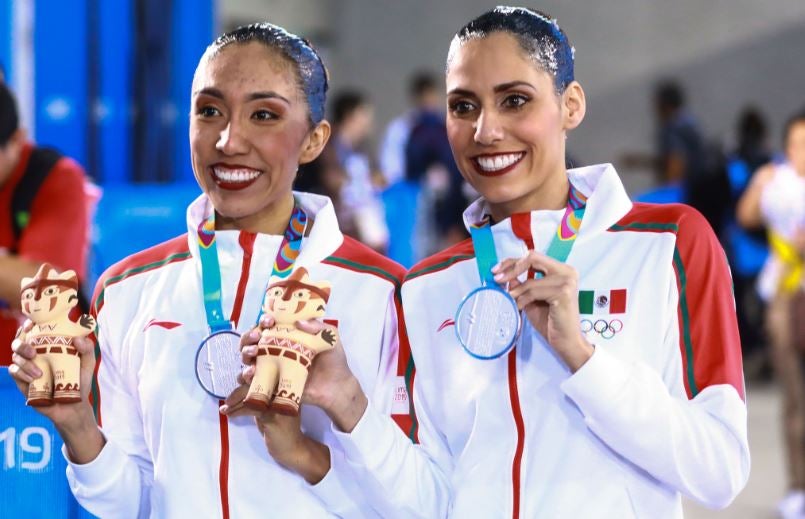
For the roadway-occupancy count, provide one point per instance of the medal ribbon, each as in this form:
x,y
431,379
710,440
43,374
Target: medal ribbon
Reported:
x,y
211,269
559,248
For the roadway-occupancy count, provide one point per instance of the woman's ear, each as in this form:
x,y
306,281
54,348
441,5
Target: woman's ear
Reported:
x,y
574,105
315,142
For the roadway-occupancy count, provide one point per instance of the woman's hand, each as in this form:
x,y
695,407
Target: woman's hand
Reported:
x,y
550,303
330,383
292,449
75,421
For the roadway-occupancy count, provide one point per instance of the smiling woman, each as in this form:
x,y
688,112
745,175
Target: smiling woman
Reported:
x,y
526,408
257,111
251,128
548,415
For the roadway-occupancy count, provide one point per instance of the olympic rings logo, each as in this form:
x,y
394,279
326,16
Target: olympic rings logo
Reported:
x,y
606,329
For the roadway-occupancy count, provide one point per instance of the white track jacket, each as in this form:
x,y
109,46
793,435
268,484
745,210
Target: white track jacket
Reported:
x,y
170,454
656,412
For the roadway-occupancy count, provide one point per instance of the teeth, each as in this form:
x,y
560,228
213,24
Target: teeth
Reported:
x,y
498,162
235,175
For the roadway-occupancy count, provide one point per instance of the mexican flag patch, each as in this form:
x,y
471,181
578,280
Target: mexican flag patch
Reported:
x,y
602,301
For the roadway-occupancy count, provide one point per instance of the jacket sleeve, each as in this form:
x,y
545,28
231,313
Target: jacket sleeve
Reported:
x,y
118,482
694,440
398,476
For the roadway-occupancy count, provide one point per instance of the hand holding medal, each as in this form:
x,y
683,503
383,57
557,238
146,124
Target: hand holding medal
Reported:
x,y
488,319
550,302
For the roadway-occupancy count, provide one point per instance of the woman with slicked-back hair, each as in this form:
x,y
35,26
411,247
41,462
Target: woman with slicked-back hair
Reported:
x,y
578,357
175,438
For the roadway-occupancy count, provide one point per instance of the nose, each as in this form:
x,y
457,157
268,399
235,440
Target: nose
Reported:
x,y
231,140
488,128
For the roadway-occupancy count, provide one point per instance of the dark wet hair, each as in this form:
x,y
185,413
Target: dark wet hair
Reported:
x,y
310,70
9,118
537,33
795,119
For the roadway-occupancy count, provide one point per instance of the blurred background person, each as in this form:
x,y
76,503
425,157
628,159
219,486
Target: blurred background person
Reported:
x,y
426,197
424,96
400,197
747,249
687,158
688,167
430,165
43,215
353,117
776,198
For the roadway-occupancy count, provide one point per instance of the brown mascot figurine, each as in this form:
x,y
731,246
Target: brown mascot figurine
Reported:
x,y
285,352
47,299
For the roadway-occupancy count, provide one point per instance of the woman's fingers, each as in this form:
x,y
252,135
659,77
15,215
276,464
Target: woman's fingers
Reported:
x,y
249,338
17,373
23,349
511,268
266,321
26,367
246,375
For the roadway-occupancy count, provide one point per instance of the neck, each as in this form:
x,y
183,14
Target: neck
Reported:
x,y
273,219
548,196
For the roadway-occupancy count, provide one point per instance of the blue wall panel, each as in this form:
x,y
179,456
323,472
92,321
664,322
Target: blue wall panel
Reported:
x,y
114,75
193,25
5,37
60,62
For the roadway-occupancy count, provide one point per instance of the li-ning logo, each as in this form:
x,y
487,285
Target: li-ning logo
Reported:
x,y
606,329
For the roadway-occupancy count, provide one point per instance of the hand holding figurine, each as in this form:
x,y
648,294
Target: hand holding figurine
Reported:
x,y
54,360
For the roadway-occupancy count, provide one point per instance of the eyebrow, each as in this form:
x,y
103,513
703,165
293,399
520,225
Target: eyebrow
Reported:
x,y
497,88
254,96
511,84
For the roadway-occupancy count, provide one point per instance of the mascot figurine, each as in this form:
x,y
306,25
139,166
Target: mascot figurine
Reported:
x,y
47,299
285,352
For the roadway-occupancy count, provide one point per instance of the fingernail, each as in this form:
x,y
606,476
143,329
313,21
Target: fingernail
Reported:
x,y
37,372
223,409
496,268
498,277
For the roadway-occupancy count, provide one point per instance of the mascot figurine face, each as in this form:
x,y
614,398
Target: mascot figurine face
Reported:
x,y
296,298
285,352
48,295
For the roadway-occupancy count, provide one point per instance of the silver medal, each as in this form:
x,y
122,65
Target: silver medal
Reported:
x,y
218,363
488,322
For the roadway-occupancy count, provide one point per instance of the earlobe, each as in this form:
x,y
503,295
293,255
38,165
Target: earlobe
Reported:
x,y
315,142
575,105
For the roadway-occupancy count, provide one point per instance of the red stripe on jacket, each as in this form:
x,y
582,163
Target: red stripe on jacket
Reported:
x,y
706,308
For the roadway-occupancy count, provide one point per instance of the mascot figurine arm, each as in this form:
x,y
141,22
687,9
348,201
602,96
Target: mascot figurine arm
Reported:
x,y
284,352
47,299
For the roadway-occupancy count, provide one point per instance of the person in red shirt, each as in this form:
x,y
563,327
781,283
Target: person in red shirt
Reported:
x,y
53,229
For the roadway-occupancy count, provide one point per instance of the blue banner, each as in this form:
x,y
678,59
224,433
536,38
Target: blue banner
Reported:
x,y
32,469
6,18
60,64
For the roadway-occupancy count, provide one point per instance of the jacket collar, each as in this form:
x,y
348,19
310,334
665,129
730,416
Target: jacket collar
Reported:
x,y
607,202
322,238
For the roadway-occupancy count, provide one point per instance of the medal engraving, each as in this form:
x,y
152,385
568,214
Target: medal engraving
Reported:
x,y
218,363
487,323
